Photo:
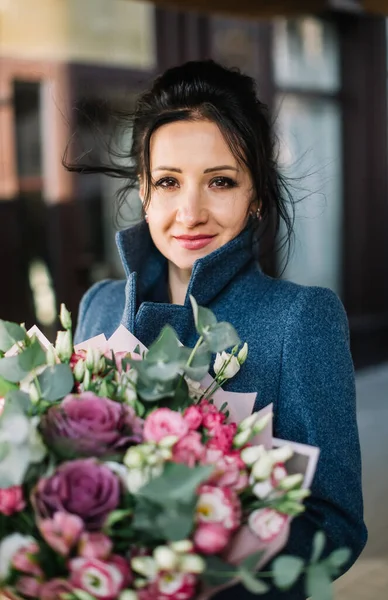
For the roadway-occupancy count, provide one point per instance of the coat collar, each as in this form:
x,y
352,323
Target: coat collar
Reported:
x,y
209,276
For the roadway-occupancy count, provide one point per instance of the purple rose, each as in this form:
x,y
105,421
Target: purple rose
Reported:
x,y
84,487
88,425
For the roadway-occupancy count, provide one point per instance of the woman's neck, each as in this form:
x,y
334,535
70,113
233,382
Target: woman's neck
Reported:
x,y
178,282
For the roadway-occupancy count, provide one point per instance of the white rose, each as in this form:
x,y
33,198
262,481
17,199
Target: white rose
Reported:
x,y
232,368
8,548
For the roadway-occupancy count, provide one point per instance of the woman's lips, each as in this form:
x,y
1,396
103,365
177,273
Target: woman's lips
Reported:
x,y
194,242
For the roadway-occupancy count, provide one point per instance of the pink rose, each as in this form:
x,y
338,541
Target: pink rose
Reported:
x,y
193,416
25,560
222,437
211,538
213,420
76,357
230,469
55,589
61,532
94,545
102,579
28,586
207,407
162,423
189,449
11,500
218,505
267,523
170,586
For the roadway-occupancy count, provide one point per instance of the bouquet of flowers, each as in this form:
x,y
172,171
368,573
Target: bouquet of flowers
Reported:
x,y
128,473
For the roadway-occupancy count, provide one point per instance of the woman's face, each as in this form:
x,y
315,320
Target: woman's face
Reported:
x,y
201,196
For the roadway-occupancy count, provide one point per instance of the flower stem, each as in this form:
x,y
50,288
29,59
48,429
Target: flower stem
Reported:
x,y
194,350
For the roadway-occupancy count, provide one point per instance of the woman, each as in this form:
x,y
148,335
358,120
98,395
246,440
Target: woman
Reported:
x,y
203,154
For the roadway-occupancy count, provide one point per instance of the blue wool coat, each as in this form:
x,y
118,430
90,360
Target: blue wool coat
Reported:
x,y
299,359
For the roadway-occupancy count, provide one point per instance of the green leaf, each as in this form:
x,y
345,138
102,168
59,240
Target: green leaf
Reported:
x,y
318,583
286,571
115,517
200,363
4,450
204,319
176,521
10,333
339,558
17,401
217,571
166,348
252,583
151,391
163,371
250,562
11,370
318,546
5,387
32,357
220,337
56,382
177,483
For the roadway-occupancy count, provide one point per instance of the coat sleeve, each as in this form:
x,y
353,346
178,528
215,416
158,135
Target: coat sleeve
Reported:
x,y
100,310
316,405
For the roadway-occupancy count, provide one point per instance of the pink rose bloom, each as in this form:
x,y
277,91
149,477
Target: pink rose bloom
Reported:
x,y
28,586
230,469
62,532
213,420
76,357
218,505
11,500
267,523
189,449
207,407
279,472
25,560
164,422
94,545
170,586
211,538
222,437
54,589
193,416
102,579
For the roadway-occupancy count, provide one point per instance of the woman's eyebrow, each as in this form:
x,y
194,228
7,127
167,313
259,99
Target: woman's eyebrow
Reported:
x,y
210,170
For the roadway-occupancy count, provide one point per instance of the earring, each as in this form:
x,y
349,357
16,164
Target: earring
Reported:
x,y
256,214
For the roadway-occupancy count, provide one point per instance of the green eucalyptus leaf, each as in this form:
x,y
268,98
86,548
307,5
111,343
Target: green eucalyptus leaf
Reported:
x,y
204,319
56,382
318,546
318,582
217,571
176,520
200,363
6,386
339,558
156,390
32,357
10,333
287,570
4,450
165,349
163,371
252,583
177,483
220,337
250,562
17,401
11,370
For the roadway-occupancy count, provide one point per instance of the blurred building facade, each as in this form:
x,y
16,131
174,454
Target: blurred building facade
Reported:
x,y
64,64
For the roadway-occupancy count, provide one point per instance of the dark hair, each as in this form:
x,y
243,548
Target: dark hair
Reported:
x,y
207,90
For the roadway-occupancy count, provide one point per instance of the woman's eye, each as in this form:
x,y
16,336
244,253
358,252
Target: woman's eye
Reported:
x,y
223,182
166,182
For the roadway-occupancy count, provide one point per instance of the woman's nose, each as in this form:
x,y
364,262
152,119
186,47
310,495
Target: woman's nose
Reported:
x,y
191,210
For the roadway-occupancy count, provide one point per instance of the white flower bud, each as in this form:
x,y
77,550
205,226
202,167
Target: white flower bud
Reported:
x,y
242,355
290,482
65,317
144,565
86,381
165,453
136,479
262,423
182,546
165,558
134,458
248,422
242,438
128,595
230,370
281,454
63,345
251,454
168,441
192,563
51,358
92,361
262,489
129,395
79,370
140,583
300,494
34,394
262,468
153,459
